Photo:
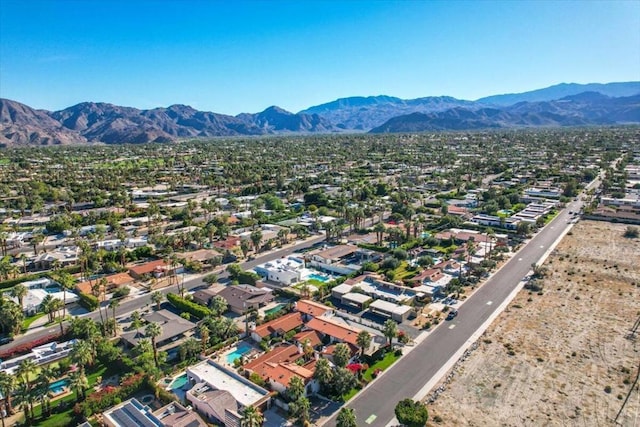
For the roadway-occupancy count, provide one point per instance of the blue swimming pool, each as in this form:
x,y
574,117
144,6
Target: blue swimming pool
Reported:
x,y
58,387
319,277
179,382
242,349
53,289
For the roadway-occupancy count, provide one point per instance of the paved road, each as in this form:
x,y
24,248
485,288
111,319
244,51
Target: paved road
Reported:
x,y
141,301
375,405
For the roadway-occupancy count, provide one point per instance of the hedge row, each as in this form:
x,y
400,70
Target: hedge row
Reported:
x,y
190,307
88,301
35,276
27,346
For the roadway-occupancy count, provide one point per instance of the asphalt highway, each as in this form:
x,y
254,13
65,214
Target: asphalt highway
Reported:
x,y
374,406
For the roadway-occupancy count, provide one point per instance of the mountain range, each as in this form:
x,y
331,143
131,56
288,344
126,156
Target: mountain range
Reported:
x,y
90,122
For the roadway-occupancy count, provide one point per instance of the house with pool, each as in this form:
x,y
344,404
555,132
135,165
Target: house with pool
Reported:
x,y
220,395
278,366
38,290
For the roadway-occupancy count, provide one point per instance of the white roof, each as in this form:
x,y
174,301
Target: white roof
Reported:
x,y
390,307
357,297
245,392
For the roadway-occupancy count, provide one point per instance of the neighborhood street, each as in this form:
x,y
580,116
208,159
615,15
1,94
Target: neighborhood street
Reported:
x,y
374,406
139,302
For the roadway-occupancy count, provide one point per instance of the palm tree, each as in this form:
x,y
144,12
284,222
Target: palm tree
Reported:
x,y
153,331
256,238
81,354
18,292
25,370
390,330
35,241
157,298
136,321
379,229
42,387
7,386
218,305
204,337
113,304
23,258
66,281
363,340
251,417
346,418
26,396
78,381
323,372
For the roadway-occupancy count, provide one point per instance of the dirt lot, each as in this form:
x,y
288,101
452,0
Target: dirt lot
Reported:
x,y
561,358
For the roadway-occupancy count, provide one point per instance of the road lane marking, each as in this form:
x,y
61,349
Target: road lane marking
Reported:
x,y
489,302
452,326
519,259
371,418
541,246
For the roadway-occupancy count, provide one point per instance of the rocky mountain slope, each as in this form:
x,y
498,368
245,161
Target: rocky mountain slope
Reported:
x,y
604,104
112,124
589,108
364,113
562,90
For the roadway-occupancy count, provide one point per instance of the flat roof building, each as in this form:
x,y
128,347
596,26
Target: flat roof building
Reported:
x,y
399,313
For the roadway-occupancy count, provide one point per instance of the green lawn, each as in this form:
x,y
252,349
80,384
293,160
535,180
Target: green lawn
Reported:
x,y
350,394
29,320
383,364
67,418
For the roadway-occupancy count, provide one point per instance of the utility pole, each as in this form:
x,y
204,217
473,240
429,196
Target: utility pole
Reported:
x,y
633,386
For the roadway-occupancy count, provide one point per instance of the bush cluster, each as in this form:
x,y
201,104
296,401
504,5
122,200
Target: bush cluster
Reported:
x,y
190,307
109,396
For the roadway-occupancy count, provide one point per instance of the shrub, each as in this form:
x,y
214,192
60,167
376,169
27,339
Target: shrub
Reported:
x,y
122,291
88,301
411,413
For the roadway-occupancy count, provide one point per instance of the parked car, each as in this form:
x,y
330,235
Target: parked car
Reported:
x,y
452,313
5,340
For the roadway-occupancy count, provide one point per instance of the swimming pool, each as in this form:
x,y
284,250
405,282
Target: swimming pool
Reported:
x,y
318,277
242,349
53,289
273,310
179,382
58,387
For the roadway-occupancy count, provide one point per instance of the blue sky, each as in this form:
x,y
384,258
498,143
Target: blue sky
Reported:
x,y
235,56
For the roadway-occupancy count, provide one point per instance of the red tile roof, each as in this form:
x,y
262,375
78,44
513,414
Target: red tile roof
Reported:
x,y
312,308
282,354
336,330
286,323
313,337
148,267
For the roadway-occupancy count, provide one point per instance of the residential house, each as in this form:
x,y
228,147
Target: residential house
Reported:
x,y
130,413
311,309
278,366
335,330
113,282
207,377
176,415
157,268
277,327
335,259
241,298
285,271
173,328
